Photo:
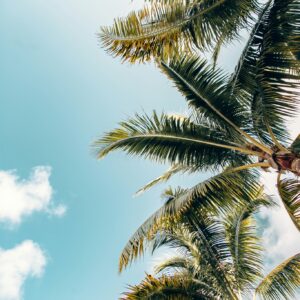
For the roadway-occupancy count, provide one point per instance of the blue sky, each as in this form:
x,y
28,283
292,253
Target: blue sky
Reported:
x,y
59,91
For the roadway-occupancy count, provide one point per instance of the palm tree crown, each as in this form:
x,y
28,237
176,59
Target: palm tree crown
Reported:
x,y
235,128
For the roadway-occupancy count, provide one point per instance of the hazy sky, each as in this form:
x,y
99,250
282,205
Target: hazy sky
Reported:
x,y
64,216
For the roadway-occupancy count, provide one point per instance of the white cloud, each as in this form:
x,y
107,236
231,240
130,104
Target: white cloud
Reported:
x,y
281,238
20,198
59,210
16,265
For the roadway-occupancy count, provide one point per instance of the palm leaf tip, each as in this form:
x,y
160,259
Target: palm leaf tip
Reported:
x,y
282,282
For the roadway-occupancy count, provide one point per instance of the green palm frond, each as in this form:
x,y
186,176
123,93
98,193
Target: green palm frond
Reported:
x,y
244,243
289,192
268,70
216,193
175,140
207,92
196,232
165,28
169,288
282,282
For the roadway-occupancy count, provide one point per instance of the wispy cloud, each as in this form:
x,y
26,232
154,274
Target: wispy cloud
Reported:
x,y
25,260
20,198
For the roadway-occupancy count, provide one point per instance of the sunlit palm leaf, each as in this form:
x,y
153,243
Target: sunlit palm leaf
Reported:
x,y
202,237
244,243
216,193
282,282
175,263
289,191
169,288
164,28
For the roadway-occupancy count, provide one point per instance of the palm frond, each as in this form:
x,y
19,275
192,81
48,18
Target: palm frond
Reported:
x,y
268,71
216,193
164,28
169,288
282,282
175,140
201,237
289,192
174,263
244,243
207,92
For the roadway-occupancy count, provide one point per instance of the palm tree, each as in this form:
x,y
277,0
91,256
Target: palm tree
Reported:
x,y
165,28
236,122
216,256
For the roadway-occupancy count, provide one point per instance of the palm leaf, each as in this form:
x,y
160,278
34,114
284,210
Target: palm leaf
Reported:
x,y
289,192
216,193
165,28
170,139
169,288
268,70
282,282
245,245
202,237
207,92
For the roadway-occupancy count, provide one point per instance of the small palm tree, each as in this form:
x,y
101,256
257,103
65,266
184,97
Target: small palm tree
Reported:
x,y
218,256
237,122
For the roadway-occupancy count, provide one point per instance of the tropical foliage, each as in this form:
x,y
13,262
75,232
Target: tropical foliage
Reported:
x,y
215,256
165,28
236,121
235,129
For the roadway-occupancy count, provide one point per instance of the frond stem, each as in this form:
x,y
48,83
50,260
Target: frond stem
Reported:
x,y
249,166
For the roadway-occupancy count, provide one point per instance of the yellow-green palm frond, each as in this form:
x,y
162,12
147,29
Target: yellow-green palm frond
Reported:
x,y
165,28
217,193
282,282
166,138
289,192
169,288
202,237
175,263
244,243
